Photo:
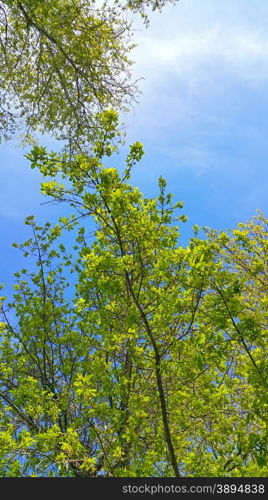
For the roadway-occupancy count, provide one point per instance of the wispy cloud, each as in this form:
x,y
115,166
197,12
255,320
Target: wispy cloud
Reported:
x,y
201,61
200,56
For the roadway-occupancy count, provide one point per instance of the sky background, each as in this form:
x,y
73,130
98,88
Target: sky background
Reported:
x,y
202,117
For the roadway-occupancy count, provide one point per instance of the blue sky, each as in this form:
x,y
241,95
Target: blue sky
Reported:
x,y
202,116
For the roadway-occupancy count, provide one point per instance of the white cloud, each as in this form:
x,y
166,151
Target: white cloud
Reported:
x,y
194,58
241,53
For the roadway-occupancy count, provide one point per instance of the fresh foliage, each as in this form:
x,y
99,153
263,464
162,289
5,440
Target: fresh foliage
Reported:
x,y
62,61
128,354
156,364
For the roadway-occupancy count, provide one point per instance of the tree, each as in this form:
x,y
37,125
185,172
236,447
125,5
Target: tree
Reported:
x,y
152,362
151,368
62,62
240,307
